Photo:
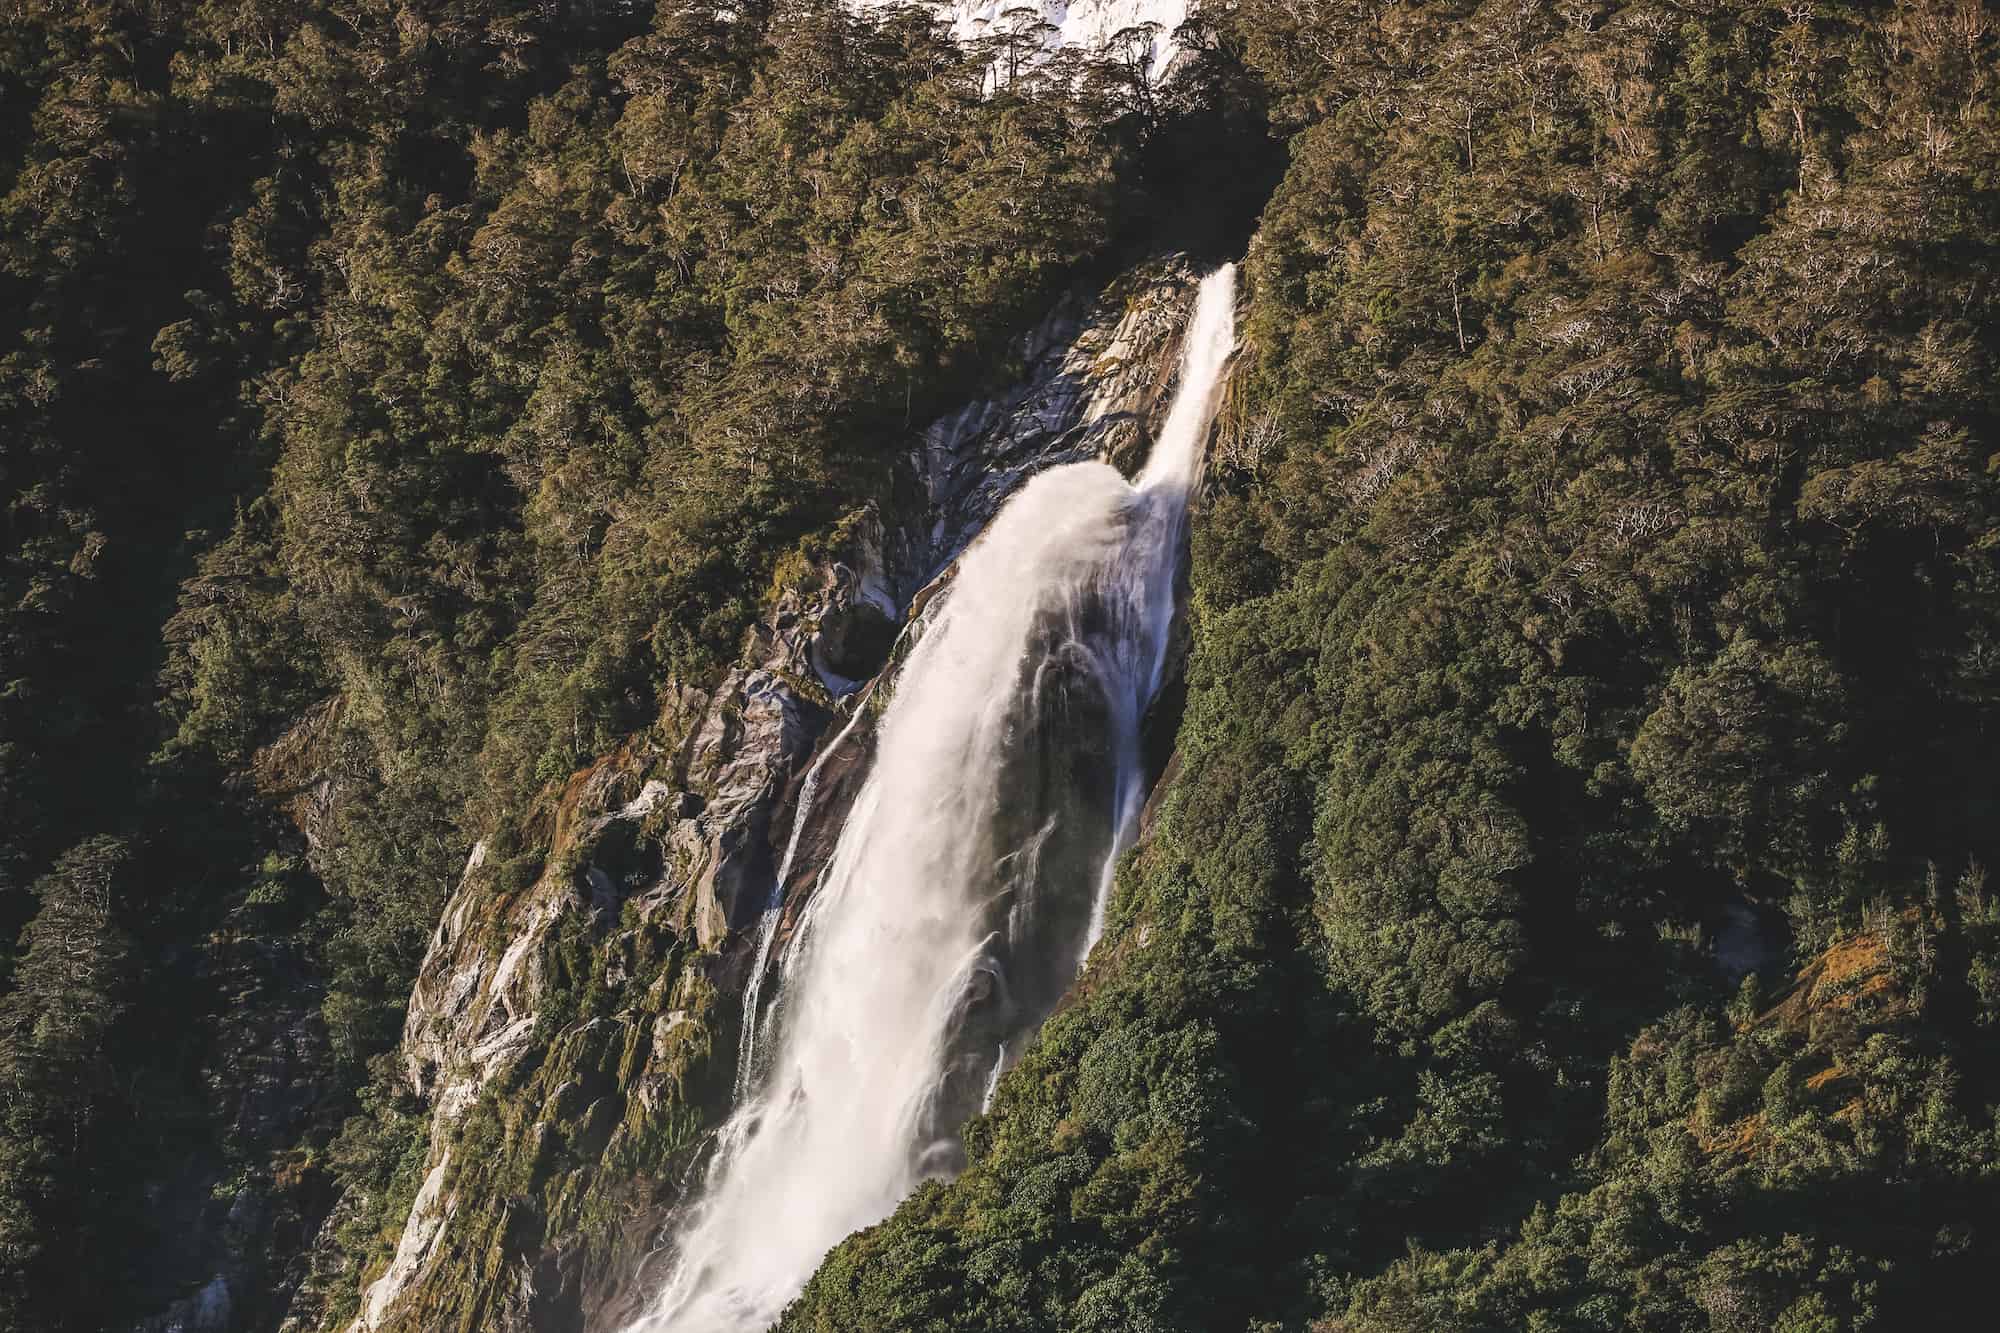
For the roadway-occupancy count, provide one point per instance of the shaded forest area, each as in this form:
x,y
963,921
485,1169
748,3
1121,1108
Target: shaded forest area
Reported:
x,y
1571,911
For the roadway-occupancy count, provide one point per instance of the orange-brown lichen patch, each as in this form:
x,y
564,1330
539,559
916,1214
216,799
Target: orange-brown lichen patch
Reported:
x,y
1852,973
289,1172
1824,1078
293,771
1736,1139
1646,1046
596,787
1853,969
1851,957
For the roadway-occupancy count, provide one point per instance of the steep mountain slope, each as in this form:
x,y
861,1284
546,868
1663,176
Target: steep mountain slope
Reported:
x,y
1563,904
1601,600
575,1036
549,347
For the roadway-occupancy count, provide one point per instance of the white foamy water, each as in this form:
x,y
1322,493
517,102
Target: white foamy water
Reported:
x,y
968,883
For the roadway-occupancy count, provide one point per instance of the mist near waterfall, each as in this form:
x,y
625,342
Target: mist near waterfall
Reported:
x,y
969,882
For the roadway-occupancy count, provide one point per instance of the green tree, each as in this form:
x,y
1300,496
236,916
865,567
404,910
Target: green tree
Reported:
x,y
60,1091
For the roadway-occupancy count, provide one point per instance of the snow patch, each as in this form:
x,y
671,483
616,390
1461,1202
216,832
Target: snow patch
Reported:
x,y
1085,24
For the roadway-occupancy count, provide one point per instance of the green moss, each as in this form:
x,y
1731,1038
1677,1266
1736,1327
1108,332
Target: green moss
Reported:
x,y
560,1144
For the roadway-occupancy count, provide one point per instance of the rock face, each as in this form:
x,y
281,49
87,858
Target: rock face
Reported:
x,y
1098,374
574,1022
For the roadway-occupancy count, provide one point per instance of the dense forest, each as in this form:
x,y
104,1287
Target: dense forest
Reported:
x,y
1566,905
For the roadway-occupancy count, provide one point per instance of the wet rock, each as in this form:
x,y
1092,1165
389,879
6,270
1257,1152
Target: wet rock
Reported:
x,y
1099,377
852,645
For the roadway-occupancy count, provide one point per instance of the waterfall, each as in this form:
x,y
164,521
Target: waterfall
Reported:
x,y
969,882
767,930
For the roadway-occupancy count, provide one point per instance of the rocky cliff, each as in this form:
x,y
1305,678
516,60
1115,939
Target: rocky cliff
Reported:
x,y
574,1025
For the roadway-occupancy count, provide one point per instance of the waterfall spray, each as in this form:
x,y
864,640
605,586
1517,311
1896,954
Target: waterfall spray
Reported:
x,y
969,882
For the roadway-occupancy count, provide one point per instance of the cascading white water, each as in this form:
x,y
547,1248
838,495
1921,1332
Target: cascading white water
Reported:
x,y
767,930
968,883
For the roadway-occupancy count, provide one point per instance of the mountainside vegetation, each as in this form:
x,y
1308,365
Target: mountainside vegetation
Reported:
x,y
1570,912
397,398
1567,908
